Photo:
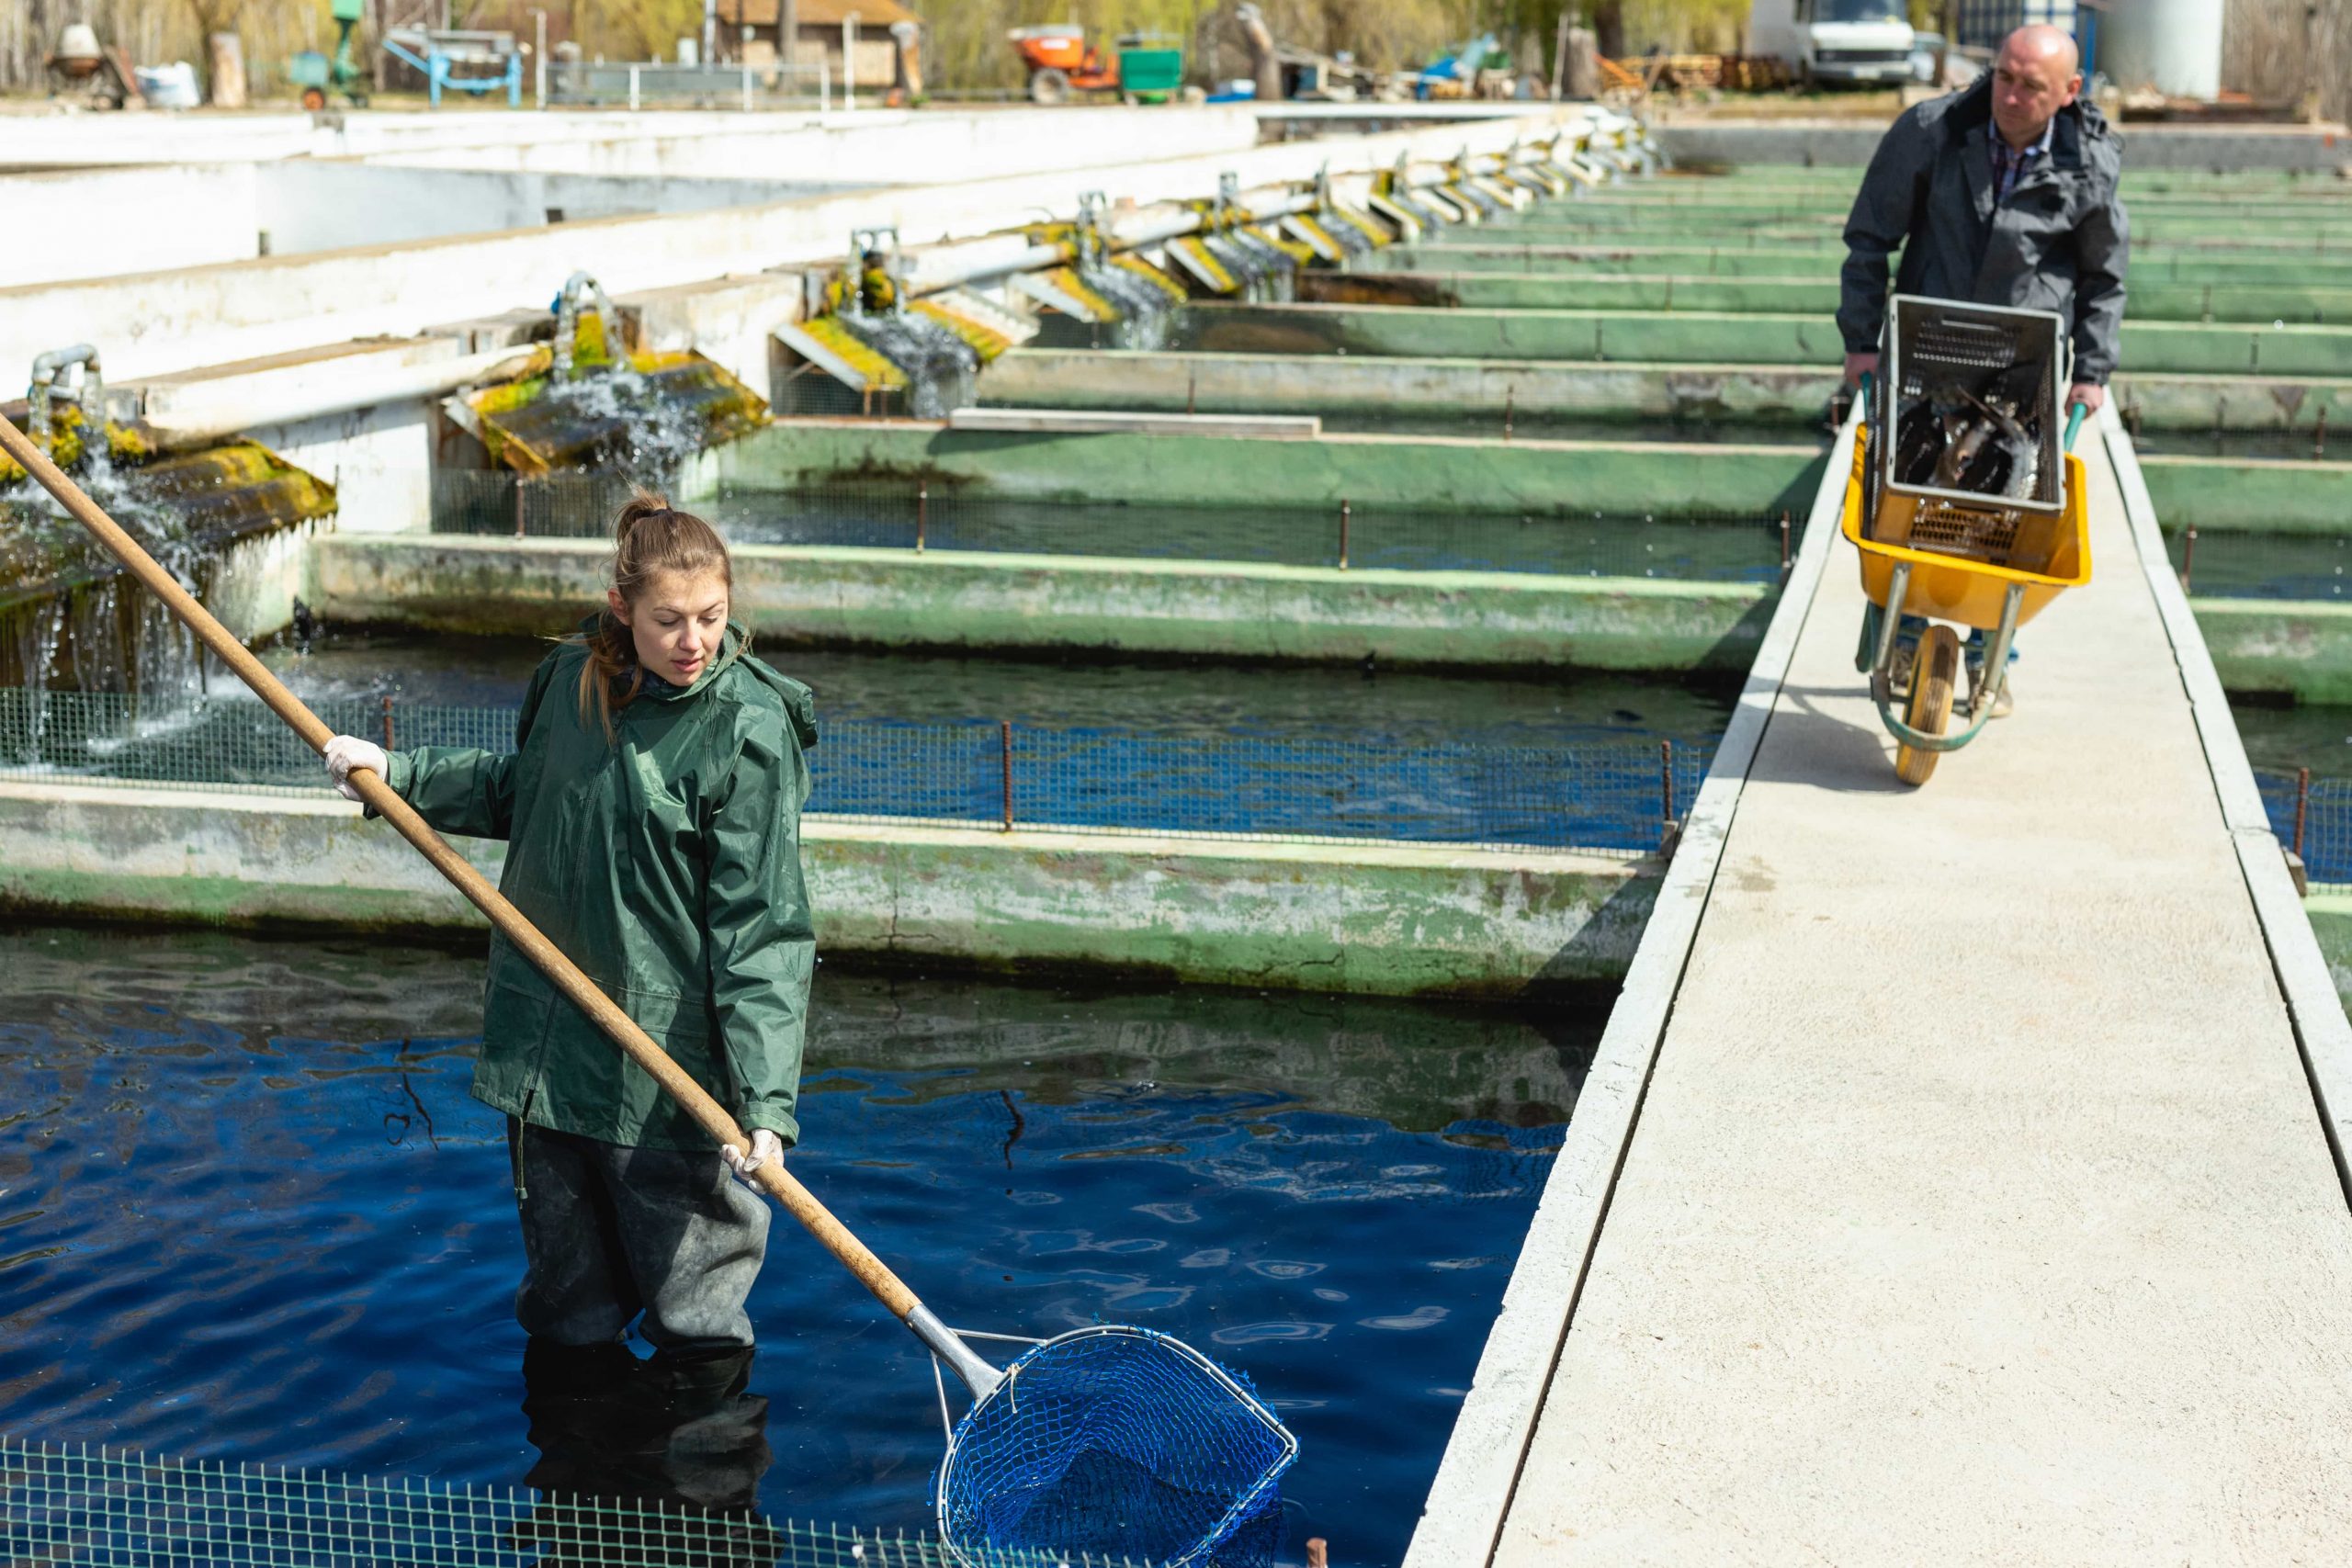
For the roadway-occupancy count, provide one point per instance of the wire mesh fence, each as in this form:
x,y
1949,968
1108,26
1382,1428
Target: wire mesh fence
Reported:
x,y
2228,565
656,85
1600,794
2312,816
78,1508
1357,536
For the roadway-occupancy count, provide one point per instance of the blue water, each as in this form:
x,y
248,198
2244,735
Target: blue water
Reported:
x,y
248,1211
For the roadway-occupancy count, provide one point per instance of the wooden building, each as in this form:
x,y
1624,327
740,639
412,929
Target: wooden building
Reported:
x,y
879,39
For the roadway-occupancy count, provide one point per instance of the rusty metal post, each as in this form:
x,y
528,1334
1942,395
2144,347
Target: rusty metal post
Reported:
x,y
1192,391
2319,434
1345,513
1667,825
1510,404
923,514
2303,806
2188,558
388,721
1785,544
1004,727
518,506
2131,417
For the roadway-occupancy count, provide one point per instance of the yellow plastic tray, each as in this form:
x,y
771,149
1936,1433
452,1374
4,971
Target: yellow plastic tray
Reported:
x,y
1946,587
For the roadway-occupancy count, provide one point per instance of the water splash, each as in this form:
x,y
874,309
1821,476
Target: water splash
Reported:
x,y
71,619
1266,272
1145,310
942,369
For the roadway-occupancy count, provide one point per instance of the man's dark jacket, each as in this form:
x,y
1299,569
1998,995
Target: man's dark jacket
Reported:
x,y
2058,243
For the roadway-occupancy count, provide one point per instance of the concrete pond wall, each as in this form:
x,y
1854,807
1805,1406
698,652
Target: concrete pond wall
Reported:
x,y
1392,919
1105,605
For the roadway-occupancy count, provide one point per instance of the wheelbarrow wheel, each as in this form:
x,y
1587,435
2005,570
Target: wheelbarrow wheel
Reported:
x,y
1934,675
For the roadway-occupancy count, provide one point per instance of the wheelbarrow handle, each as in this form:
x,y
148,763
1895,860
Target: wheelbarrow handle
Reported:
x,y
2075,417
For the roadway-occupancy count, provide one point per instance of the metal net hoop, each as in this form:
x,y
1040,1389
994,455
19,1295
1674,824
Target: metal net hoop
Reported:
x,y
1116,1441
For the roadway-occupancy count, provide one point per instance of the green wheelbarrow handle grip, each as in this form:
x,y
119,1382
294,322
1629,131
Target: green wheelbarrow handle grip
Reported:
x,y
2074,418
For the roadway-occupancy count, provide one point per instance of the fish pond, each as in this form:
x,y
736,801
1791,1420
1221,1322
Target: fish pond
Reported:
x,y
248,1211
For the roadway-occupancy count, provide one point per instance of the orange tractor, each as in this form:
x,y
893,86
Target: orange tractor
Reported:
x,y
1147,68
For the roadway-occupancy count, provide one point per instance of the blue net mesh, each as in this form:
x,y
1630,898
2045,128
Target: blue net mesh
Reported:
x,y
1117,1442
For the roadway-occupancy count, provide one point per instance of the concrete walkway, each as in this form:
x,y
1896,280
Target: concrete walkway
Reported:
x,y
1978,1209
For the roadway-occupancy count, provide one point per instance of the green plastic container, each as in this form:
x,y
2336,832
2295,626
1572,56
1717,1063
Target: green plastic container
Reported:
x,y
1150,70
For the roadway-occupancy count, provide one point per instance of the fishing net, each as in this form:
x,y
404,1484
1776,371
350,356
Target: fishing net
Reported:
x,y
1117,1441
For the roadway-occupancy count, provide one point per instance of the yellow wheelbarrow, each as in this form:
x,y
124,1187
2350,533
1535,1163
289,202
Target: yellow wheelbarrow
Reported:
x,y
1985,565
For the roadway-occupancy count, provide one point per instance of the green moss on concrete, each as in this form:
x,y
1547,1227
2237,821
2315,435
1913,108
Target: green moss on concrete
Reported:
x,y
2301,649
2331,915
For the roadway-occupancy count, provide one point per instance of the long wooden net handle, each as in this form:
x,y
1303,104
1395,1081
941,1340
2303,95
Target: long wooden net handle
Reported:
x,y
871,1271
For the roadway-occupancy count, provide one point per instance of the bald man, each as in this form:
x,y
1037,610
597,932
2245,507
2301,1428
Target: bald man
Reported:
x,y
2001,193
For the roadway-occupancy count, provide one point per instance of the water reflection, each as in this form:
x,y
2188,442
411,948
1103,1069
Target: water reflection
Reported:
x,y
678,1437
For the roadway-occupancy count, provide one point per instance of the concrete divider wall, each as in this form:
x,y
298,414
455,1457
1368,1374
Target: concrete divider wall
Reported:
x,y
1394,919
1810,290
932,146
960,599
1843,142
1310,383
1300,383
1426,473
962,144
153,322
2261,498
1702,337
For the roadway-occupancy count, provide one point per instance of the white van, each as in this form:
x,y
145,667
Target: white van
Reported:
x,y
1841,41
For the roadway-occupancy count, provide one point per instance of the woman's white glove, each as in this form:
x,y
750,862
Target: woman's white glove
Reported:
x,y
345,752
765,1147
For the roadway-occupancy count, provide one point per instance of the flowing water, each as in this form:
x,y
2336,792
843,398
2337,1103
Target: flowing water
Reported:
x,y
220,522
248,1211
942,370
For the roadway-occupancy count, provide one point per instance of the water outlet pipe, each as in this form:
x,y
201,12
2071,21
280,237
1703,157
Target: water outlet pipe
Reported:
x,y
567,320
48,368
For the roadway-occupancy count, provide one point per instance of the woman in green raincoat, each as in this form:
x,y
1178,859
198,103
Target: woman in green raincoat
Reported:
x,y
651,809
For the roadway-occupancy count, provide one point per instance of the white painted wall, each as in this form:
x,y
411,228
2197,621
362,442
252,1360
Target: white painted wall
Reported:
x,y
210,315
105,222
378,459
308,206
882,149
934,144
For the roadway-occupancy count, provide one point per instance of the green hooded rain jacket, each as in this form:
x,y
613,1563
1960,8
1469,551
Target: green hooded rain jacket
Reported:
x,y
666,863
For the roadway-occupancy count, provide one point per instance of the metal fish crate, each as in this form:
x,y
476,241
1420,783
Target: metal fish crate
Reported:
x,y
1931,345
